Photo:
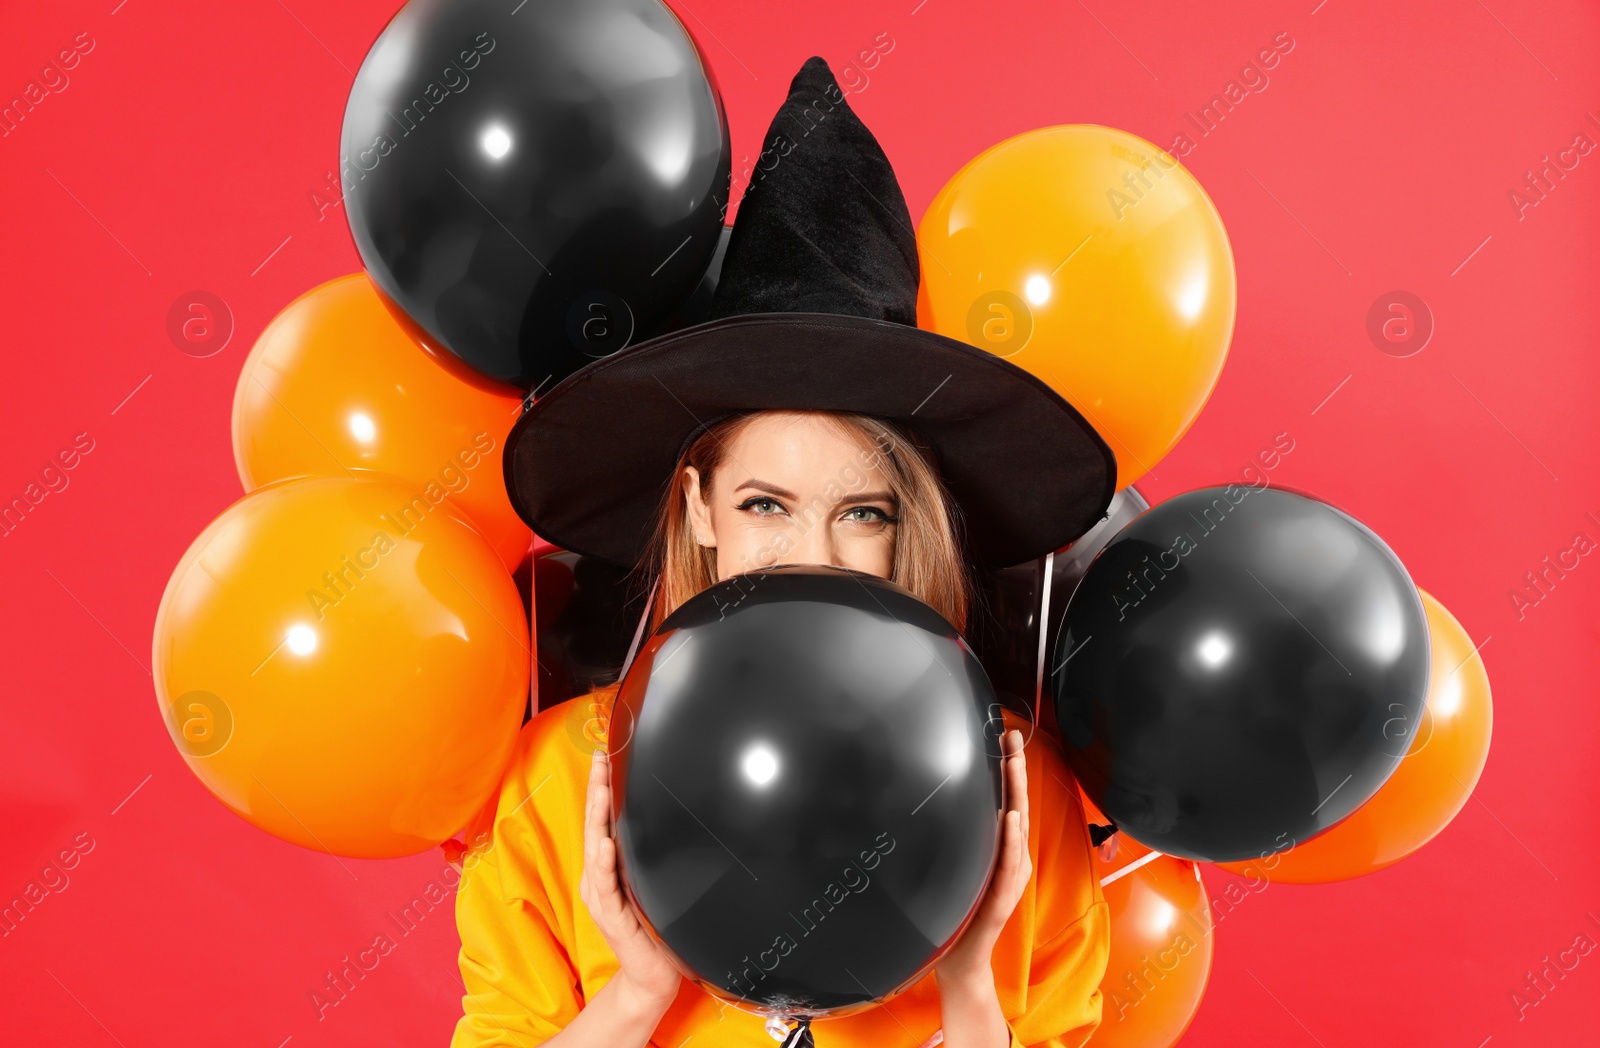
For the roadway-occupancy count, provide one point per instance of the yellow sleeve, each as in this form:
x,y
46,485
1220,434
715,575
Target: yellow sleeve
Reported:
x,y
521,985
1064,999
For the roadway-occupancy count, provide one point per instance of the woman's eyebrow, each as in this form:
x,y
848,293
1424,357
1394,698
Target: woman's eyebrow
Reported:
x,y
761,485
868,496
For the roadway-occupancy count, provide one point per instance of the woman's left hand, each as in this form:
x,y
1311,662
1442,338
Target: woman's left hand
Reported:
x,y
970,1005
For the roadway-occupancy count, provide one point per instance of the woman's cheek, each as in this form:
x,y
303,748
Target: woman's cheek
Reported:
x,y
755,545
873,554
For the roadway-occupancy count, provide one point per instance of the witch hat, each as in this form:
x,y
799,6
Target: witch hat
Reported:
x,y
815,310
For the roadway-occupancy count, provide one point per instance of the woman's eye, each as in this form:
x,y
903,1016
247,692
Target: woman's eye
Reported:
x,y
763,507
867,515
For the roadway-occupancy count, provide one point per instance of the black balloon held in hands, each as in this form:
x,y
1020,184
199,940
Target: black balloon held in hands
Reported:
x,y
1239,669
535,189
807,788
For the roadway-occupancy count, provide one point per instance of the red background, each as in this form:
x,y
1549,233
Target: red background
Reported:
x,y
1380,157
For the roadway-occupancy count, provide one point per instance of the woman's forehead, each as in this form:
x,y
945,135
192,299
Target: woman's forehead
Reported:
x,y
802,447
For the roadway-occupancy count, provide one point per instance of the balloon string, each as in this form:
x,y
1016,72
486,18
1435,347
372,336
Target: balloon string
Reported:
x,y
1044,628
800,1036
638,633
1152,857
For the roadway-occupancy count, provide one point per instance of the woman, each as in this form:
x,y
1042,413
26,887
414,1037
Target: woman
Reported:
x,y
811,422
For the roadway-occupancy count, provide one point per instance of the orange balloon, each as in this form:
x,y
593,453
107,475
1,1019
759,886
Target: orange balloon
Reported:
x,y
341,381
1429,786
344,663
1161,952
1094,260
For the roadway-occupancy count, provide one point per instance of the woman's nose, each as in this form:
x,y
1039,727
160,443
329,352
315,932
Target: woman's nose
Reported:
x,y
817,546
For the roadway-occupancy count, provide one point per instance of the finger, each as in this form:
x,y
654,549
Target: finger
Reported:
x,y
600,880
602,762
1006,868
601,884
1020,869
605,852
590,834
1024,860
611,898
597,803
585,880
589,788
996,908
1021,807
1016,773
599,780
596,800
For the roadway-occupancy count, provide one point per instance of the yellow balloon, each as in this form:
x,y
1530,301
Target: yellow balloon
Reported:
x,y
341,381
1094,260
344,663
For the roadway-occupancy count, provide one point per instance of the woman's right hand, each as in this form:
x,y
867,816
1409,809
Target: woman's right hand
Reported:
x,y
645,976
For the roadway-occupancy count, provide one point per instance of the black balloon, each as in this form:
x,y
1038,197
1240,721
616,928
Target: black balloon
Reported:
x,y
807,788
536,185
1237,671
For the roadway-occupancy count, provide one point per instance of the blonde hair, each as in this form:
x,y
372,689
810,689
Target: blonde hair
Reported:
x,y
928,548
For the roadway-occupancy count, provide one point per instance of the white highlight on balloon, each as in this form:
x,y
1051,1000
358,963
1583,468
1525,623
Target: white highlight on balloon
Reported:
x,y
1037,289
1214,649
953,754
496,141
1447,699
759,764
1192,296
1160,918
1382,629
363,428
302,640
666,153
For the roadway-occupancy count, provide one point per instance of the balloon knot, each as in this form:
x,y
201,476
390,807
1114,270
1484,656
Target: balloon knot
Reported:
x,y
799,1037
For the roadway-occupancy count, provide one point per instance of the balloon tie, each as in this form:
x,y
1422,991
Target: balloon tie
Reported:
x,y
799,1037
1099,834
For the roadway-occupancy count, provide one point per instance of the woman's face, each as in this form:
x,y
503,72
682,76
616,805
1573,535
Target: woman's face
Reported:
x,y
795,488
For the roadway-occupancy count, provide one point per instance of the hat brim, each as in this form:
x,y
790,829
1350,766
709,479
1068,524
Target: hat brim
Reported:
x,y
588,464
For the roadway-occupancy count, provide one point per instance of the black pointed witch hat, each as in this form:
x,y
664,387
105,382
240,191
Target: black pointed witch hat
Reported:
x,y
815,310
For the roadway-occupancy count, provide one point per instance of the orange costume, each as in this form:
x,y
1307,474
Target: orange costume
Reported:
x,y
531,955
